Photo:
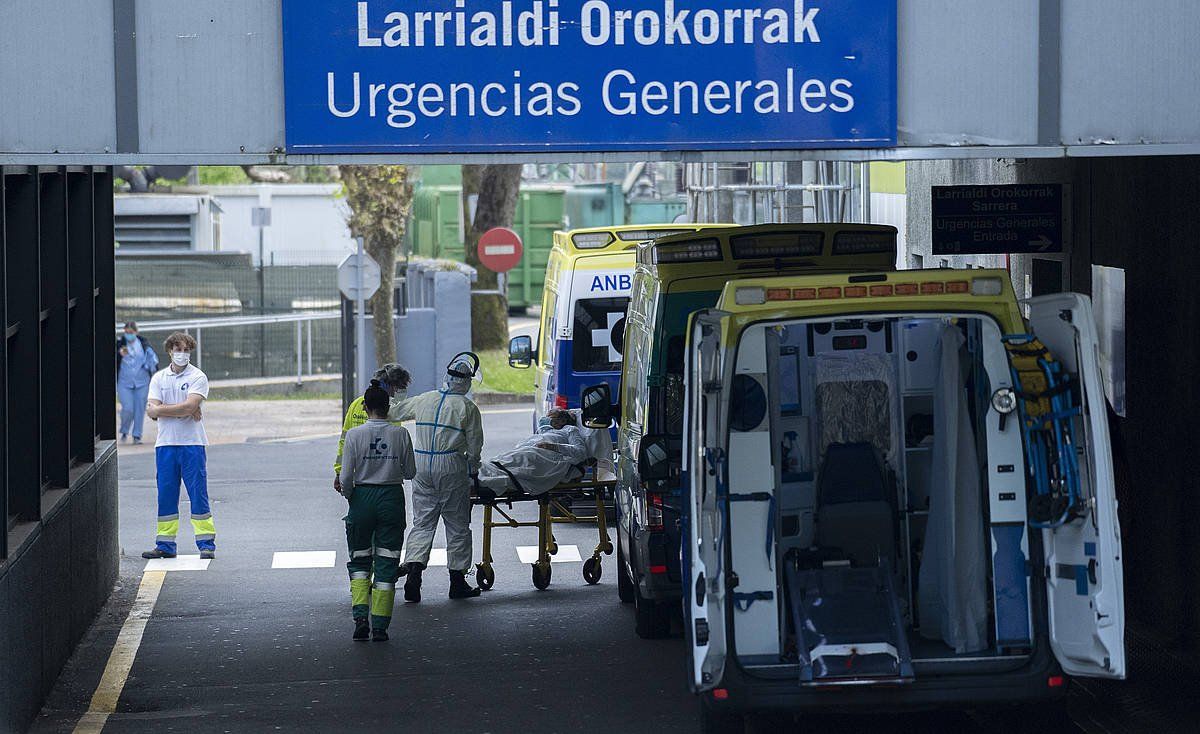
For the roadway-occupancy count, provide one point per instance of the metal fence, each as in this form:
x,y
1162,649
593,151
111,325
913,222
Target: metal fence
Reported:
x,y
258,310
301,353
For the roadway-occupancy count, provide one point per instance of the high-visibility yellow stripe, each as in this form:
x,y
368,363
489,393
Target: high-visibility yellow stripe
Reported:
x,y
169,528
204,527
120,660
360,592
382,601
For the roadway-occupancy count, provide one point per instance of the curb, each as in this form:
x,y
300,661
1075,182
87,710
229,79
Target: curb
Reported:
x,y
311,386
501,398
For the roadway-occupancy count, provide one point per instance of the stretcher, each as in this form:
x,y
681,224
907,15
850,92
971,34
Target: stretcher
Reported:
x,y
583,486
1048,408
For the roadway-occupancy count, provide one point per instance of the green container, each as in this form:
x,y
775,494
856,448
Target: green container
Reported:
x,y
593,205
440,175
655,211
436,231
436,226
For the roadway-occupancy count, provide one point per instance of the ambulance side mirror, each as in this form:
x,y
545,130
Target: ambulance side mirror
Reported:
x,y
654,458
520,352
596,406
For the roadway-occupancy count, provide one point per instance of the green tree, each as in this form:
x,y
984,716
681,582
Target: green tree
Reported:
x,y
495,190
380,200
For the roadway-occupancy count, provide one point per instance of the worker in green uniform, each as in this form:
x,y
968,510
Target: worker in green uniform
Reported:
x,y
378,458
394,380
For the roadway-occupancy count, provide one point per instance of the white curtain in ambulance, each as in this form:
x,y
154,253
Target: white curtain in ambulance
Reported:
x,y
952,598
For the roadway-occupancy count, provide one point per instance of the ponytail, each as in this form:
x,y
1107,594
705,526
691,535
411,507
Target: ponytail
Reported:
x,y
376,399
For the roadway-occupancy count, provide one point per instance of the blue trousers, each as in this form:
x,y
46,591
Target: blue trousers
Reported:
x,y
189,464
133,409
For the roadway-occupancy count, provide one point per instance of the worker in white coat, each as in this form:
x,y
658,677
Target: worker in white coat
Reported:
x,y
449,440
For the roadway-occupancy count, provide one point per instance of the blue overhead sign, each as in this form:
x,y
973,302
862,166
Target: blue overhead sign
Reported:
x,y
440,76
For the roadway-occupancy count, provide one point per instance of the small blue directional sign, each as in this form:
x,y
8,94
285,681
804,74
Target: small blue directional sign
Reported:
x,y
989,220
463,76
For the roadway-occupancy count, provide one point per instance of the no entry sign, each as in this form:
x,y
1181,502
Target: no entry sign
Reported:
x,y
500,249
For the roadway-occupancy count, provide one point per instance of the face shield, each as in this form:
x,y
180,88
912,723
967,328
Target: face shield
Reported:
x,y
463,368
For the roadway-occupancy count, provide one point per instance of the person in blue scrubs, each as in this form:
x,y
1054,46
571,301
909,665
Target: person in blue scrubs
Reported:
x,y
136,364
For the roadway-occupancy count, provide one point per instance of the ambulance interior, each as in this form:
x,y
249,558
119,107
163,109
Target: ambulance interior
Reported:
x,y
861,512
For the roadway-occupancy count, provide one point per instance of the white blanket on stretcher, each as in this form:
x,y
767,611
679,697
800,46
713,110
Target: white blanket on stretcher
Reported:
x,y
547,459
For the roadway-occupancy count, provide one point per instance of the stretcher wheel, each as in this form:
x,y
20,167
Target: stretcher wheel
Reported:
x,y
592,570
541,576
485,575
554,548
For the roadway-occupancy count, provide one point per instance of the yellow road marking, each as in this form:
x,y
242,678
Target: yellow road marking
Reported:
x,y
120,660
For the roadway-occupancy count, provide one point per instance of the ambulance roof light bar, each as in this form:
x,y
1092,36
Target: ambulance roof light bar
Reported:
x,y
756,295
642,235
863,242
777,245
591,240
707,250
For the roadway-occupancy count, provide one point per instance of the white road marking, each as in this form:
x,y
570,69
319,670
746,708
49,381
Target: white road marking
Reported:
x,y
178,563
120,660
304,559
437,557
566,554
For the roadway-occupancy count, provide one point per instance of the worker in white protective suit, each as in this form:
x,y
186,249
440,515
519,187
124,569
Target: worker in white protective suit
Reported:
x,y
449,439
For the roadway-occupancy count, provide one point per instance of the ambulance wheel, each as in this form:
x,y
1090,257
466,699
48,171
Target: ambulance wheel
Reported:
x,y
541,576
625,587
486,576
592,570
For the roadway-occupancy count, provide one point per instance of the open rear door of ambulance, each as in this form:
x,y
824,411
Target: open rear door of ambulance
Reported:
x,y
1083,557
705,474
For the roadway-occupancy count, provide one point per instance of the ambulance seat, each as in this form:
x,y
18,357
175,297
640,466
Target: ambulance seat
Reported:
x,y
855,512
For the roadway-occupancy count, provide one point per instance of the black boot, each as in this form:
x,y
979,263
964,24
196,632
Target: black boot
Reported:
x,y
362,629
412,587
459,588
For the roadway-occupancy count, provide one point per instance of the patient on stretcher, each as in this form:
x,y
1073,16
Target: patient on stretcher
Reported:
x,y
559,452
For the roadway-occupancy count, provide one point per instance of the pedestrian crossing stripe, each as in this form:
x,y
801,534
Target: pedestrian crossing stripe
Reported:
x,y
304,559
437,557
566,554
328,559
178,563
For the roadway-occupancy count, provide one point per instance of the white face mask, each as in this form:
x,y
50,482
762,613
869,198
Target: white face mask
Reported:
x,y
181,359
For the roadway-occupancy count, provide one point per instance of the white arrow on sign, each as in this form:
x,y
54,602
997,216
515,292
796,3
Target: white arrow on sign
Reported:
x,y
1042,243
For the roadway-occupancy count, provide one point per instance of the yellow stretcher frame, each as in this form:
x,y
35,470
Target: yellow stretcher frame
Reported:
x,y
547,546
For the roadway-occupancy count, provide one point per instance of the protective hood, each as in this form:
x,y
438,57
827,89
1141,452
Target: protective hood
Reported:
x,y
458,385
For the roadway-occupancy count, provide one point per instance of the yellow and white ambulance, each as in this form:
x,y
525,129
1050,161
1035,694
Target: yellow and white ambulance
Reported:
x,y
580,333
899,493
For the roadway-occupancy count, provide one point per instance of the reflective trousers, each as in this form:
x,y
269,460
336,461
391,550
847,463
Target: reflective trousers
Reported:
x,y
441,489
375,527
189,464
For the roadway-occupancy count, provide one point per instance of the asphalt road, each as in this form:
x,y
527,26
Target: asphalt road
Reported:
x,y
244,647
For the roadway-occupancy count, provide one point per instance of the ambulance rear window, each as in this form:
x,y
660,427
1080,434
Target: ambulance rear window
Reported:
x,y
599,334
